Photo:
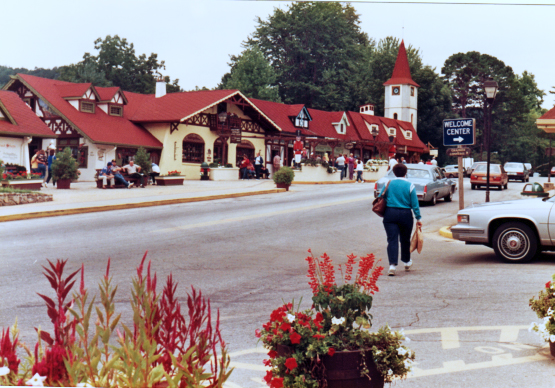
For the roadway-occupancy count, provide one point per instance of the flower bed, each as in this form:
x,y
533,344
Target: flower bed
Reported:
x,y
317,173
544,306
170,180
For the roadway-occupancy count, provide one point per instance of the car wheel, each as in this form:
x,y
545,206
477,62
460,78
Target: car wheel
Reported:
x,y
433,201
506,185
500,187
449,196
528,179
515,242
472,187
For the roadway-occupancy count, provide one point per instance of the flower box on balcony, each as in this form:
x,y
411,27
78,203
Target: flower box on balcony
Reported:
x,y
175,180
23,184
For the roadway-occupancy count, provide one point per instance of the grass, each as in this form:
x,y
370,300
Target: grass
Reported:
x,y
15,191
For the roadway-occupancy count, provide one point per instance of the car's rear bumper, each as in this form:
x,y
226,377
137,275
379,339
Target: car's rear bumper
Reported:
x,y
469,233
484,182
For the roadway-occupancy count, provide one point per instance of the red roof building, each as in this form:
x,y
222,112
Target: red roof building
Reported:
x,y
547,121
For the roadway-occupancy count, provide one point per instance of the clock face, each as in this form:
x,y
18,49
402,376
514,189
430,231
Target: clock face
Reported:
x,y
396,90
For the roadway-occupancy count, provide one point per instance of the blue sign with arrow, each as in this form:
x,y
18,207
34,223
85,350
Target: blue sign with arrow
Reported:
x,y
459,132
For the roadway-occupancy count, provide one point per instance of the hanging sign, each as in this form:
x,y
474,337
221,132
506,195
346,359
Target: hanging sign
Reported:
x,y
348,146
235,135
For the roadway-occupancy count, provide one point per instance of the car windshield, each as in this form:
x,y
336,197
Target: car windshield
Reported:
x,y
483,168
513,165
451,167
422,174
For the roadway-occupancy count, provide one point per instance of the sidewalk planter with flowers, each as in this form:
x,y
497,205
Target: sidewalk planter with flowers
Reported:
x,y
173,178
221,173
90,347
544,306
22,181
374,169
330,345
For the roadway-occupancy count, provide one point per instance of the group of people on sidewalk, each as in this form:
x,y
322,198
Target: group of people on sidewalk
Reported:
x,y
350,164
248,170
41,163
112,173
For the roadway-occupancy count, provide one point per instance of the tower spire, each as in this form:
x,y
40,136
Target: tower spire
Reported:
x,y
401,71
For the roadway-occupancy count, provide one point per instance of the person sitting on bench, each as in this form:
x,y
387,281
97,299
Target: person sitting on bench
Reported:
x,y
106,174
134,171
118,176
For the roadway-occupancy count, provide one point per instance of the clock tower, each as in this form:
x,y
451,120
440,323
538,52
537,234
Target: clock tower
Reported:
x,y
401,92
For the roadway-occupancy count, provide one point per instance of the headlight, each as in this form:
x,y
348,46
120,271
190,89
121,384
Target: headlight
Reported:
x,y
463,218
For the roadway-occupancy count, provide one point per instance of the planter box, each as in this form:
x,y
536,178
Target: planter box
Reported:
x,y
170,180
224,174
26,184
316,174
373,176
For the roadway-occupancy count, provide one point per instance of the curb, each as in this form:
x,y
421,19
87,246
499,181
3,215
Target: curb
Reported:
x,y
95,209
322,183
446,232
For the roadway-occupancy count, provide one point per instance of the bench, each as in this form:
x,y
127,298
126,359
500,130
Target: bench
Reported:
x,y
136,182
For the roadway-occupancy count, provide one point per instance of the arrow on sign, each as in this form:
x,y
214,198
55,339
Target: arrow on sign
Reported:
x,y
459,139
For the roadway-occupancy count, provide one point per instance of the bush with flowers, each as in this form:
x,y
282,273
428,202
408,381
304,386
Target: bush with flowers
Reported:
x,y
20,176
174,173
338,321
162,348
544,306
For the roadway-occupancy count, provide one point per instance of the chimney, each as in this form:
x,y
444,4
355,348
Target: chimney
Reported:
x,y
367,109
160,87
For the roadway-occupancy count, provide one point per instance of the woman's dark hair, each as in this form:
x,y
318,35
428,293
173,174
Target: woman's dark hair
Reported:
x,y
400,170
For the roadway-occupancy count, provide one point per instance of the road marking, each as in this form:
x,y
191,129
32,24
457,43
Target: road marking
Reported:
x,y
450,338
254,216
509,334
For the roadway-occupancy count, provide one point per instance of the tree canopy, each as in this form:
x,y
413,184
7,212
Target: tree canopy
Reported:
x,y
117,65
6,72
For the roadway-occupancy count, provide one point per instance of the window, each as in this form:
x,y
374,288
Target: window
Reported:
x,y
87,107
341,128
412,118
412,91
116,110
193,149
395,116
78,153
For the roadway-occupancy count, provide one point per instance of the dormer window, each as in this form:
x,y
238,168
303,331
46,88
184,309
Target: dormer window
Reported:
x,y
408,135
391,131
87,107
116,110
374,130
412,91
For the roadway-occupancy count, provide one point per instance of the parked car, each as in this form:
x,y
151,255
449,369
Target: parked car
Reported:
x,y
517,171
452,171
473,167
516,230
528,167
497,176
429,181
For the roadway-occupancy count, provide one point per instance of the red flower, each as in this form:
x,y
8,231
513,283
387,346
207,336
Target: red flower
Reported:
x,y
257,333
291,363
548,284
319,336
267,362
285,326
295,338
272,354
268,377
331,352
277,382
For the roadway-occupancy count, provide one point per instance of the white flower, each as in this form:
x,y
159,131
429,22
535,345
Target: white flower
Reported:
x,y
389,372
408,363
552,338
337,321
407,340
290,318
4,371
36,381
401,351
532,326
84,385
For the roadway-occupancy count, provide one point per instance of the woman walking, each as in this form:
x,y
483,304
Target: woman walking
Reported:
x,y
360,170
402,202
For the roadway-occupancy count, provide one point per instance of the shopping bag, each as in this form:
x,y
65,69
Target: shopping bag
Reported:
x,y
417,240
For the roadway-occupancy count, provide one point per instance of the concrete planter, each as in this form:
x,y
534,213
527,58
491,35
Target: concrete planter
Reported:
x,y
316,174
170,180
25,184
373,176
224,174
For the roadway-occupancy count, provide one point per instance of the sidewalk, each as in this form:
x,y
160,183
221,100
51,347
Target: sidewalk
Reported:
x,y
84,197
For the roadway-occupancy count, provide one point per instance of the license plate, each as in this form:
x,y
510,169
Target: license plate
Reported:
x,y
483,178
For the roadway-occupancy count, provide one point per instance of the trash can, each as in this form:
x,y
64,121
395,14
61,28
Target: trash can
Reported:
x,y
534,190
204,172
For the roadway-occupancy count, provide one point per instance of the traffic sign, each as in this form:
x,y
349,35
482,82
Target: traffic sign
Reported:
x,y
459,132
464,152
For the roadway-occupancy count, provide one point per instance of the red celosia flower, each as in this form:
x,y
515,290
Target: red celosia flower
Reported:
x,y
272,354
548,284
257,333
291,363
331,352
295,338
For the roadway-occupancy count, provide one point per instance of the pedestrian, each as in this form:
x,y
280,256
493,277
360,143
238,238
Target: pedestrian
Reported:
x,y
154,172
243,170
360,170
119,178
351,164
420,162
402,202
392,162
429,162
51,159
403,160
42,162
304,154
340,162
134,170
434,161
276,162
258,164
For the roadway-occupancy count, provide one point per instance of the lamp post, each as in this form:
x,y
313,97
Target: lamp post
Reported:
x,y
491,87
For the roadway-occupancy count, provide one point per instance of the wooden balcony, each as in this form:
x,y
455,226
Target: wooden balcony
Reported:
x,y
224,127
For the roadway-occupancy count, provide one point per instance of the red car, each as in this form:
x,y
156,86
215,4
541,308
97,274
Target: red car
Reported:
x,y
497,176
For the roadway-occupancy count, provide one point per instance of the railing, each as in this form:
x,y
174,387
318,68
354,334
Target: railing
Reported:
x,y
230,122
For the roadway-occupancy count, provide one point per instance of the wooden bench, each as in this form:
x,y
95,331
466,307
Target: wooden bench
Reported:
x,y
136,182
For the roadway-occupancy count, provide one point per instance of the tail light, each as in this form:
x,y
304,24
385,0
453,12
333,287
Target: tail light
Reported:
x,y
519,173
496,178
376,186
425,189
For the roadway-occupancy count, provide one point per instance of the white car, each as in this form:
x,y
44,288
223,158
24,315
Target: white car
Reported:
x,y
516,230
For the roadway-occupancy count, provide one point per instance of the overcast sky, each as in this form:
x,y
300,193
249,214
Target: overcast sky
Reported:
x,y
195,38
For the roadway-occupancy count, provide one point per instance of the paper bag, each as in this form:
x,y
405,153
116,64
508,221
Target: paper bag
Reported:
x,y
417,240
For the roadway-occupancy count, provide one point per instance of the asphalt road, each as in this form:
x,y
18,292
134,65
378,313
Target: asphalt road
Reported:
x,y
465,311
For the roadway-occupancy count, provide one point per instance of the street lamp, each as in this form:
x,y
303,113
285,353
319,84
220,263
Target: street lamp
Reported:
x,y
222,116
491,87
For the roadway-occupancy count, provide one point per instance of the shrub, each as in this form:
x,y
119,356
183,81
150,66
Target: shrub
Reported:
x,y
65,166
284,175
142,158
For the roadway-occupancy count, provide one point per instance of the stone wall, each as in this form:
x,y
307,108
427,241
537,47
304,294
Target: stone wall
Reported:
x,y
8,199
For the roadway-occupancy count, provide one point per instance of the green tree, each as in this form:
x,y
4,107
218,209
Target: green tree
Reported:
x,y
142,158
120,66
252,75
6,72
315,49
